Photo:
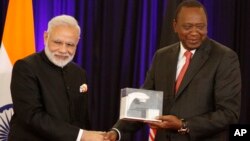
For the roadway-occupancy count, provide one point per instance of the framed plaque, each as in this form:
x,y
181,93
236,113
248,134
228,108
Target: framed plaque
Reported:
x,y
140,104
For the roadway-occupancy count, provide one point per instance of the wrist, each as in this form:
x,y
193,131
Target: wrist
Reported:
x,y
117,133
184,127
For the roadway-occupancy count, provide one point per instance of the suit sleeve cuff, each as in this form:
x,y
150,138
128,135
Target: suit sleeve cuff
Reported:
x,y
79,135
118,132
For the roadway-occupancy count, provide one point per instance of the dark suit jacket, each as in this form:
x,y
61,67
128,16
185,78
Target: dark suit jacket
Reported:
x,y
47,102
208,97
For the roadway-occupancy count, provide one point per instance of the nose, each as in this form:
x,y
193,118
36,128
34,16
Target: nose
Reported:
x,y
63,48
194,31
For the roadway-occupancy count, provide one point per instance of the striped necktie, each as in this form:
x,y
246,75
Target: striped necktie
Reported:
x,y
188,56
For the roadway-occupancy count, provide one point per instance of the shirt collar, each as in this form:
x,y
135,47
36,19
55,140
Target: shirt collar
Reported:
x,y
183,50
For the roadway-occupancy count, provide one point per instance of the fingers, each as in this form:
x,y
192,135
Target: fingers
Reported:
x,y
93,136
100,132
110,136
164,118
167,118
166,121
154,124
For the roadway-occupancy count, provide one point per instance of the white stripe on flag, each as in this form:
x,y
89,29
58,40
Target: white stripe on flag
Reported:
x,y
5,77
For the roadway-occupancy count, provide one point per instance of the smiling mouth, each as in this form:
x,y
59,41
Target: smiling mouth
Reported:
x,y
61,57
193,41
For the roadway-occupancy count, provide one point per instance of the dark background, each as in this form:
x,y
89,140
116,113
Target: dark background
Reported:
x,y
119,38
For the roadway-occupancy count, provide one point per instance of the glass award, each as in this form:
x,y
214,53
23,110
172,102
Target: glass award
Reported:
x,y
140,104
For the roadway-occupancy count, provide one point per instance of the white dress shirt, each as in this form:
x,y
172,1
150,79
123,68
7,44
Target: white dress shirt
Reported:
x,y
182,59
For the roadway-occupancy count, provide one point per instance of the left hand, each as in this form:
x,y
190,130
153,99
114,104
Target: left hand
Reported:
x,y
167,122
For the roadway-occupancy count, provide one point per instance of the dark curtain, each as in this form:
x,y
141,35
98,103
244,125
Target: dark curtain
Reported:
x,y
119,38
3,10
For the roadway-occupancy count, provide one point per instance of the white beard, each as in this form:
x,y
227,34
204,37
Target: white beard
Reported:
x,y
58,62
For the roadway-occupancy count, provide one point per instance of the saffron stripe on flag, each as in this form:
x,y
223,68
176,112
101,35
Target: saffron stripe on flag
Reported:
x,y
18,36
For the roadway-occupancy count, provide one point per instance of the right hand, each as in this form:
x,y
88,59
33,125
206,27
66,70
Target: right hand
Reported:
x,y
92,136
167,122
111,136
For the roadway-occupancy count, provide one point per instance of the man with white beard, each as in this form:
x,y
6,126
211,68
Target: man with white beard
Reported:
x,y
49,91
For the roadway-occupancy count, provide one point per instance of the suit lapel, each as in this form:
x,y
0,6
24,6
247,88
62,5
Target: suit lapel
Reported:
x,y
170,63
200,57
168,72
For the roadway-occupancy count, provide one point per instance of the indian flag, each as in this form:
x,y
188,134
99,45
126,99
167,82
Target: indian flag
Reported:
x,y
18,41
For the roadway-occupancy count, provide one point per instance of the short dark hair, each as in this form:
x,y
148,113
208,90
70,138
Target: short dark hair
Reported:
x,y
189,3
